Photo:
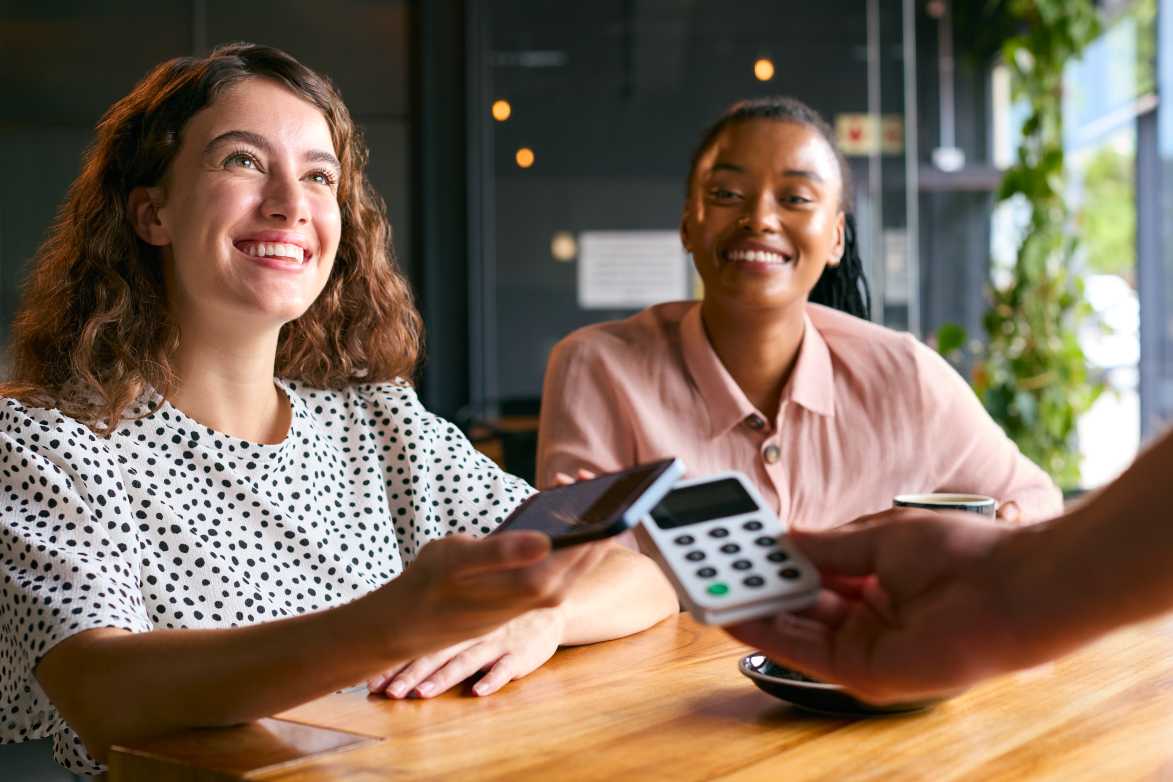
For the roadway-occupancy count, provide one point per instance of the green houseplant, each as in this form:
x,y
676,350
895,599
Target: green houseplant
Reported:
x,y
1031,373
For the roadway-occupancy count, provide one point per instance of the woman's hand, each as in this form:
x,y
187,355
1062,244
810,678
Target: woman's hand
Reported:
x,y
516,649
562,479
460,588
1009,512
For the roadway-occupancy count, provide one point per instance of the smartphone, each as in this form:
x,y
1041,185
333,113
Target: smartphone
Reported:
x,y
598,508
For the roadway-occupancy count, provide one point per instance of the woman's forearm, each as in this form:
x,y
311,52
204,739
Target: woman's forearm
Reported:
x,y
112,686
624,594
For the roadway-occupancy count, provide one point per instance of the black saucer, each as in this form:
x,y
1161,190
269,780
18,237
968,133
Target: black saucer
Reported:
x,y
813,695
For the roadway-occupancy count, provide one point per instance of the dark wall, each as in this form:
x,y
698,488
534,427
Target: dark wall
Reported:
x,y
613,122
638,81
63,63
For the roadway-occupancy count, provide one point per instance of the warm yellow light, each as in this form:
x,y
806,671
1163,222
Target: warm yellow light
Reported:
x,y
501,110
524,157
563,246
763,69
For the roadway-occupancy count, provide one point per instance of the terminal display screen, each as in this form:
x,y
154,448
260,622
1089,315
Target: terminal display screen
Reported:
x,y
703,502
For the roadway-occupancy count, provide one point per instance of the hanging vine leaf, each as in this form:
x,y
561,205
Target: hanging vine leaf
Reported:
x,y
1031,373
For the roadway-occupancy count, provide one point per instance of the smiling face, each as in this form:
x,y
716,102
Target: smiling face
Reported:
x,y
247,216
763,216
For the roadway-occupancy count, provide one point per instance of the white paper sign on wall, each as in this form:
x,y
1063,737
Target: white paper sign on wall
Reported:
x,y
630,269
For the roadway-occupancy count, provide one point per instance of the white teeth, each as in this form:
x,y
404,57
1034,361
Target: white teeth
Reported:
x,y
273,250
756,256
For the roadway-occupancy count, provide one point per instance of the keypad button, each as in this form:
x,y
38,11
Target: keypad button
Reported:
x,y
789,573
684,540
752,526
765,541
719,532
771,454
730,548
695,556
718,589
742,564
706,572
754,581
777,556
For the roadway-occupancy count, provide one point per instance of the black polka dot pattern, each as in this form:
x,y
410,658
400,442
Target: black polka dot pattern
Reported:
x,y
169,524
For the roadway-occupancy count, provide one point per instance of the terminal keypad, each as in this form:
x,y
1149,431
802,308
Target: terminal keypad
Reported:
x,y
751,571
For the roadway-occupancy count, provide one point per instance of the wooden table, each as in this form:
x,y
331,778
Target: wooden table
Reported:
x,y
669,704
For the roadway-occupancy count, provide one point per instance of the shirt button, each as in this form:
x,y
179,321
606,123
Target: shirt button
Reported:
x,y
772,454
755,422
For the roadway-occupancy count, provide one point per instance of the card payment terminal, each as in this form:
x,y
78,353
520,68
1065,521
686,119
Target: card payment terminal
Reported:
x,y
720,546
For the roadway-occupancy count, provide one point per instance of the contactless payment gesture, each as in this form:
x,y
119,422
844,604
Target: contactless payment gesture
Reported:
x,y
596,509
720,546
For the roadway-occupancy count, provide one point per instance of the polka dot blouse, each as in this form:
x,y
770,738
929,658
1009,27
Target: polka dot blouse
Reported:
x,y
169,524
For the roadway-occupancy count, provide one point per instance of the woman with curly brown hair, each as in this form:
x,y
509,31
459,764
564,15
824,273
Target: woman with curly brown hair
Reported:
x,y
222,497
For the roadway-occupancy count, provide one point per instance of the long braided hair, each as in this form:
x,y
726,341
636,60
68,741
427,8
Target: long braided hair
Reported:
x,y
843,287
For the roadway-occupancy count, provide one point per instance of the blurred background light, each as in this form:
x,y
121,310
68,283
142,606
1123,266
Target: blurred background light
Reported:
x,y
563,246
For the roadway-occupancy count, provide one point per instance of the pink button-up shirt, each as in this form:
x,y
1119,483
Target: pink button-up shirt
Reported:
x,y
868,413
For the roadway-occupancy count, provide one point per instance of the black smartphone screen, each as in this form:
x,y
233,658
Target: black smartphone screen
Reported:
x,y
702,502
585,509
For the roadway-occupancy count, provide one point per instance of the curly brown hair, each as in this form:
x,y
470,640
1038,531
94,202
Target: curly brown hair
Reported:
x,y
93,331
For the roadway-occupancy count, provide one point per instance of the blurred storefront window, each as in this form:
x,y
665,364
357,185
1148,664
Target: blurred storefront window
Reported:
x,y
1107,94
1104,96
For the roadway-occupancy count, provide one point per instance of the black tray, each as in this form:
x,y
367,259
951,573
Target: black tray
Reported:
x,y
813,695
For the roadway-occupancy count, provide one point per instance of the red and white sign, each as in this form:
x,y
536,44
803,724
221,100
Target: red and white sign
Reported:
x,y
858,134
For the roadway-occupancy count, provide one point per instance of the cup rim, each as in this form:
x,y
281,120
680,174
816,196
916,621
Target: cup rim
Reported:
x,y
944,499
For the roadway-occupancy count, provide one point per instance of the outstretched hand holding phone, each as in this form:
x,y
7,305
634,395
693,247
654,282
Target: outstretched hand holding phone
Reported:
x,y
166,680
575,519
463,595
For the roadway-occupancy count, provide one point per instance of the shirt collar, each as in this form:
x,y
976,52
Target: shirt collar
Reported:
x,y
724,401
811,384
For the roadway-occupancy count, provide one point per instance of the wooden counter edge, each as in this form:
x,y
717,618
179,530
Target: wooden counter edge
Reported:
x,y
284,740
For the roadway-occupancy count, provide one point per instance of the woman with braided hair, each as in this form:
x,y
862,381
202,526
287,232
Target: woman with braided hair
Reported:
x,y
777,372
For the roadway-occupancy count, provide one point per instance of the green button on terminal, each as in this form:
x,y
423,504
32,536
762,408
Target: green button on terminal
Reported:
x,y
718,588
